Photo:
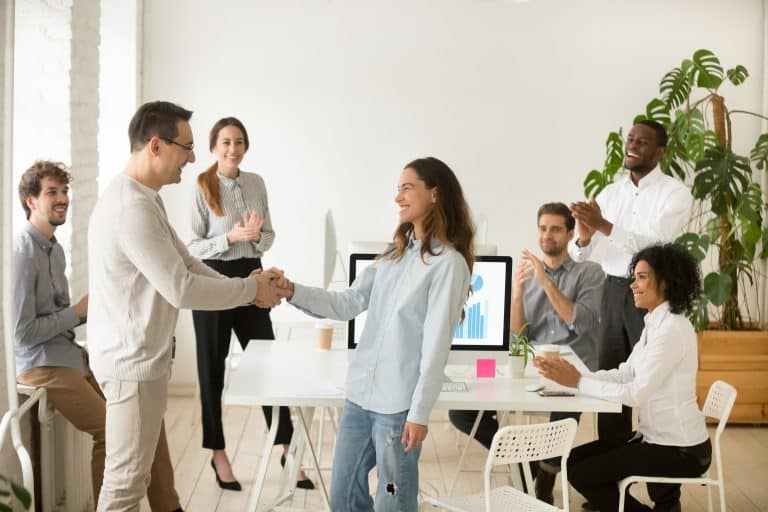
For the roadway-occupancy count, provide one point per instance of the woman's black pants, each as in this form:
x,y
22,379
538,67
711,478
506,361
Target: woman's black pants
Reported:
x,y
594,469
213,330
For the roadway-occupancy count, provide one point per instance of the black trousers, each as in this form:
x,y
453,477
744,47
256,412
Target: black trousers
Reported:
x,y
213,330
622,323
594,469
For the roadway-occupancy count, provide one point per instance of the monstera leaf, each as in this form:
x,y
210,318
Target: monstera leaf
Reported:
x,y
696,245
614,154
759,153
717,287
657,110
721,176
689,128
707,69
737,75
594,183
676,85
764,252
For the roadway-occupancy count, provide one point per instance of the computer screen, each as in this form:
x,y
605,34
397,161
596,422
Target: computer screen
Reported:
x,y
486,313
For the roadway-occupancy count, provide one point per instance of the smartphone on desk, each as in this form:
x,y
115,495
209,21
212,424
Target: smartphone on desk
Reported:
x,y
555,392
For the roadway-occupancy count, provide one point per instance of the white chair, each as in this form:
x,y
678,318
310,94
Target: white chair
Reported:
x,y
512,445
719,403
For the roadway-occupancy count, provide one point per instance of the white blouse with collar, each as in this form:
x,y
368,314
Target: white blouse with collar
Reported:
x,y
659,378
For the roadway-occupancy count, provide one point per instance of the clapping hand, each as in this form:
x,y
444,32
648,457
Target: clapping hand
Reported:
x,y
558,370
534,263
589,218
247,230
523,272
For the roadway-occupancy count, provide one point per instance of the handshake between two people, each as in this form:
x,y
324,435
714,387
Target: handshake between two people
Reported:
x,y
273,287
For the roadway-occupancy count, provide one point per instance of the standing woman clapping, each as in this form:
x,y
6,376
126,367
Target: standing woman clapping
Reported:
x,y
232,230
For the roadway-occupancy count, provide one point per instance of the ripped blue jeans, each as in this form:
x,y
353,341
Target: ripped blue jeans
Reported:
x,y
366,440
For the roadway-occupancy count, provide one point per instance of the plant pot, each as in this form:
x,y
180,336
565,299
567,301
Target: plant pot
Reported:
x,y
740,358
516,367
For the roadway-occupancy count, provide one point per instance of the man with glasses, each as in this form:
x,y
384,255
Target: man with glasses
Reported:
x,y
46,353
141,274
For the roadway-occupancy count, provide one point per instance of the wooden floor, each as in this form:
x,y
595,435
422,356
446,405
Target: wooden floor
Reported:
x,y
745,450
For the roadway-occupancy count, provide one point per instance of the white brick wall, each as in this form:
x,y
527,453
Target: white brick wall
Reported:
x,y
57,84
84,123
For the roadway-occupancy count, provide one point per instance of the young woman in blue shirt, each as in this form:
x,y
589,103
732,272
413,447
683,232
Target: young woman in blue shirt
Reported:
x,y
414,294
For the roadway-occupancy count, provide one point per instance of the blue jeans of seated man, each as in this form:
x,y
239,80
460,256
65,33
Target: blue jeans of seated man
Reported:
x,y
365,440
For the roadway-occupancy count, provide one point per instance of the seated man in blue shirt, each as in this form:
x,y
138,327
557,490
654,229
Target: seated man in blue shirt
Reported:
x,y
46,353
559,299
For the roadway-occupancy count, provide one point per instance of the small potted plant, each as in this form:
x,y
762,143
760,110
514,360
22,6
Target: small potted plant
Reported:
x,y
519,350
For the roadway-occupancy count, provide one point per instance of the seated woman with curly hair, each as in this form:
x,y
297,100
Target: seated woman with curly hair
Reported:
x,y
659,378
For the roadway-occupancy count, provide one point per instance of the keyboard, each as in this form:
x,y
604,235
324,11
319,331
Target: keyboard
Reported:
x,y
455,387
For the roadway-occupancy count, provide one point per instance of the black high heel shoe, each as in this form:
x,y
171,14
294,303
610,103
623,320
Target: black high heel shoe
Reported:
x,y
228,486
305,484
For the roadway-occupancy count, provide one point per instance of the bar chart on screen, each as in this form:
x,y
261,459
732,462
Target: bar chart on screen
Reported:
x,y
475,324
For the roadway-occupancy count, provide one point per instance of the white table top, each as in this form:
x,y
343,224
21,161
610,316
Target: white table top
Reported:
x,y
294,373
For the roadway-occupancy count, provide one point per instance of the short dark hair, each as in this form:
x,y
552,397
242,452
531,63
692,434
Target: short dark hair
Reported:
x,y
674,266
558,209
156,118
658,128
29,186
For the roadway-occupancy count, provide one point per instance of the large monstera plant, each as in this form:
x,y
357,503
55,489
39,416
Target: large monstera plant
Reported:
x,y
730,204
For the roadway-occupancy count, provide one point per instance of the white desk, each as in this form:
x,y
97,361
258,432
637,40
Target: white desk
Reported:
x,y
295,374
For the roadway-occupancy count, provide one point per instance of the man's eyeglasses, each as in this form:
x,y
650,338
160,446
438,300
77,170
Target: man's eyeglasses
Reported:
x,y
190,147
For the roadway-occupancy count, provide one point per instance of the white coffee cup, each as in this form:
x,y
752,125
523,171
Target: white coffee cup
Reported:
x,y
323,336
548,350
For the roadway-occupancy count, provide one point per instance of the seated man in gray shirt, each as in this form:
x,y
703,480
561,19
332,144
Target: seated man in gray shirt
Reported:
x,y
559,299
46,353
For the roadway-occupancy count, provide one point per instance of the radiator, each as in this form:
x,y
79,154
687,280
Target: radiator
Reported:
x,y
72,450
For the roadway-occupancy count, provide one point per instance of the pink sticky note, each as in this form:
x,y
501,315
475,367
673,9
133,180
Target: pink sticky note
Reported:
x,y
486,368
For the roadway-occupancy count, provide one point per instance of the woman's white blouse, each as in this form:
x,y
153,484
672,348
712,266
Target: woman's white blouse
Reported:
x,y
659,378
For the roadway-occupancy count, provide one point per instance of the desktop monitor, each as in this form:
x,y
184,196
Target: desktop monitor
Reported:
x,y
484,333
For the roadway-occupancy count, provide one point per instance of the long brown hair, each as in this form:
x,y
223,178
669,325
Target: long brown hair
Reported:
x,y
208,180
448,221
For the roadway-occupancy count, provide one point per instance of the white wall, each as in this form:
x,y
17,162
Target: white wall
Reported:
x,y
338,95
118,83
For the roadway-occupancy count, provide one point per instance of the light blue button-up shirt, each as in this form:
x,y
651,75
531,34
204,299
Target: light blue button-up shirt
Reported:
x,y
413,309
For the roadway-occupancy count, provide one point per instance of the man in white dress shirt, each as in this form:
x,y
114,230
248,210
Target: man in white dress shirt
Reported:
x,y
644,208
140,275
